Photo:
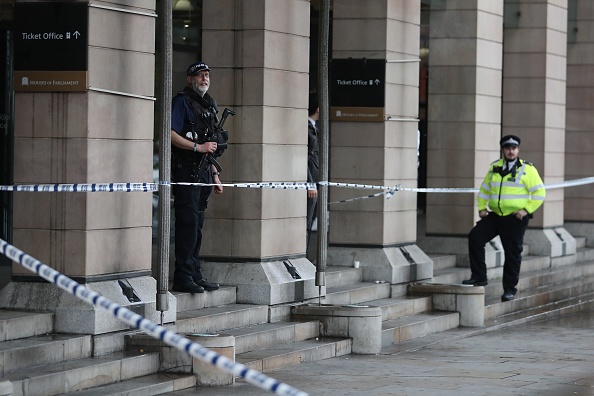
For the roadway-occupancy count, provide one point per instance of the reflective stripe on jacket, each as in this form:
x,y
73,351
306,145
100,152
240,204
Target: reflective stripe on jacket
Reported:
x,y
508,194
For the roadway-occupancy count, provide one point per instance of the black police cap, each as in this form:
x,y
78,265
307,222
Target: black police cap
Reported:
x,y
196,68
510,140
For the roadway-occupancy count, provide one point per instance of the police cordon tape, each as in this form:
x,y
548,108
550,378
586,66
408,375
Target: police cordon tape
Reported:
x,y
152,187
154,330
171,338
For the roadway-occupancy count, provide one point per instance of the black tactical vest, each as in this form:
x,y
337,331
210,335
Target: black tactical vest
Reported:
x,y
205,109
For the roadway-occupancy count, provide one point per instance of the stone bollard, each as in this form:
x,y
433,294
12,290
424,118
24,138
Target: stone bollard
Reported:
x,y
469,301
5,388
206,373
176,361
362,323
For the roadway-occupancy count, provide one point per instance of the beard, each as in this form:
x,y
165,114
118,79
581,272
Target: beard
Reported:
x,y
201,89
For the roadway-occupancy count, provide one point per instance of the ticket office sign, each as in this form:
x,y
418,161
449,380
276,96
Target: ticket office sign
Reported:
x,y
51,47
357,90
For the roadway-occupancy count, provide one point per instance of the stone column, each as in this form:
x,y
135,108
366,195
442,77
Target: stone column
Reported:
x,y
379,233
579,136
90,137
259,54
534,88
465,69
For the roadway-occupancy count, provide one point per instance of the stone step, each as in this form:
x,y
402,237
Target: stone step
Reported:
x,y
457,275
450,276
155,384
104,344
48,349
443,261
582,303
216,319
537,280
419,325
356,293
539,297
337,276
534,263
79,374
521,314
396,307
188,302
266,335
282,356
580,242
15,325
584,254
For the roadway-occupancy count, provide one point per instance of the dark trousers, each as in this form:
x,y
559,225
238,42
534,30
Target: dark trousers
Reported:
x,y
511,231
190,203
312,211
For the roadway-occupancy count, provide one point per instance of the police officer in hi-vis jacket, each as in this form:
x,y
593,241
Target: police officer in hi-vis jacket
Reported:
x,y
511,192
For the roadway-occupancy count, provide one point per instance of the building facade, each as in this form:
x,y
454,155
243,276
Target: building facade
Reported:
x,y
458,74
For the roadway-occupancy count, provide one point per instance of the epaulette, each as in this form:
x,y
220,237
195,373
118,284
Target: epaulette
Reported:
x,y
527,163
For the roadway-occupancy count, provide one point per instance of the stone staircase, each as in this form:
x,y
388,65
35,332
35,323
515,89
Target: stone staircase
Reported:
x,y
39,362
547,287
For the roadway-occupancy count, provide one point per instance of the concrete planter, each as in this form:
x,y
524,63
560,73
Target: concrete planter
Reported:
x,y
360,322
469,301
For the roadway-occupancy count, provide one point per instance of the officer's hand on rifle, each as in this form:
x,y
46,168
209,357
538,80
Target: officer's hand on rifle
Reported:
x,y
207,147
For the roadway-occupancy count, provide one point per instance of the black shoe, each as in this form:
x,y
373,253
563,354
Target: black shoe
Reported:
x,y
187,288
507,296
210,286
474,282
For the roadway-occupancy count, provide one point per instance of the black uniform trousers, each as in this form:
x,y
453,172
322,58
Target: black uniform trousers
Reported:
x,y
511,231
189,203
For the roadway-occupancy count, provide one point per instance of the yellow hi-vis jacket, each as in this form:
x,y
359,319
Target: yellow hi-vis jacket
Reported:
x,y
508,194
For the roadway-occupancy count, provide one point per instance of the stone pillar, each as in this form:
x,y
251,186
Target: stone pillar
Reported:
x,y
534,87
465,68
90,137
379,233
259,54
579,136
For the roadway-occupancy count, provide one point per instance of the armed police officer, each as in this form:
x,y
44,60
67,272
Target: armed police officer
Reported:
x,y
313,164
511,192
193,116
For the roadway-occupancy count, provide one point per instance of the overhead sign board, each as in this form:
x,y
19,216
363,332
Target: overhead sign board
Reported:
x,y
50,46
357,90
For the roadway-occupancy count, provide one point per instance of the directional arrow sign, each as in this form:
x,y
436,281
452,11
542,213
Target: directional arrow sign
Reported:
x,y
357,92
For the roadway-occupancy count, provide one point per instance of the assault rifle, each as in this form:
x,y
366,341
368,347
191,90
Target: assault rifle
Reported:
x,y
220,137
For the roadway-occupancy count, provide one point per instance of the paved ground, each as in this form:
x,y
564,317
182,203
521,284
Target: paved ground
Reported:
x,y
551,358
